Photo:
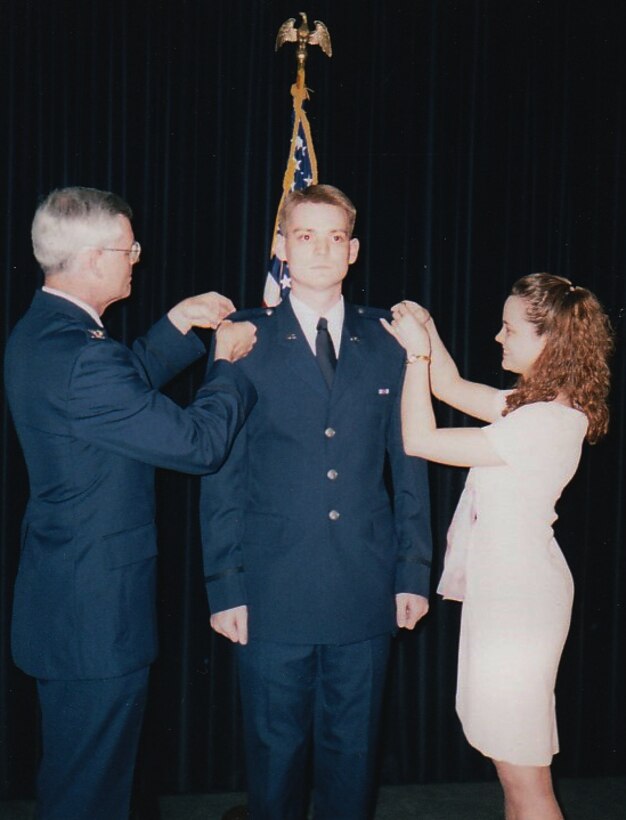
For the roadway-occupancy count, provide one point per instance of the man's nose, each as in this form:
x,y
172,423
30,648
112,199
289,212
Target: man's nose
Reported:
x,y
321,245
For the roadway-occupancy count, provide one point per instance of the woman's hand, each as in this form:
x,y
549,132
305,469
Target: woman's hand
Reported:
x,y
408,327
420,313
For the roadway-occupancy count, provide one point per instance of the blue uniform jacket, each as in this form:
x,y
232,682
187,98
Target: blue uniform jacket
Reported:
x,y
298,523
93,427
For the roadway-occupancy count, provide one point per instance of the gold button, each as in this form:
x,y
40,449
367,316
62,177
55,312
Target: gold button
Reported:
x,y
329,432
334,515
332,474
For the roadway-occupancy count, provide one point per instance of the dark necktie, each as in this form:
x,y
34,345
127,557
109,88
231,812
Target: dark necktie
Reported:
x,y
325,351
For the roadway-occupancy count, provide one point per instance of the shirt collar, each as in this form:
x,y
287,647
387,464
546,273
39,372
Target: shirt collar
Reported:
x,y
308,318
75,301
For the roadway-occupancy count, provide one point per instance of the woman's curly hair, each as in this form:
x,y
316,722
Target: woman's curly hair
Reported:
x,y
574,361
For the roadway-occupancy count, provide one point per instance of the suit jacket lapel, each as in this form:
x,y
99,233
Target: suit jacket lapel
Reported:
x,y
352,355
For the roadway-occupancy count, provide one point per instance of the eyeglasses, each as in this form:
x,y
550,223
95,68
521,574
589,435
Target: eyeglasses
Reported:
x,y
133,253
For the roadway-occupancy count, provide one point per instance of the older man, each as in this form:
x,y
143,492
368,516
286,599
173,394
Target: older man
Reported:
x,y
93,426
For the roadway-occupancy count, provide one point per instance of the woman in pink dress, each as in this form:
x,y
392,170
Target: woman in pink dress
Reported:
x,y
502,560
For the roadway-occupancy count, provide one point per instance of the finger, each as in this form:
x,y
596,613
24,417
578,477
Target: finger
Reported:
x,y
391,330
411,619
400,614
232,631
242,630
220,300
216,626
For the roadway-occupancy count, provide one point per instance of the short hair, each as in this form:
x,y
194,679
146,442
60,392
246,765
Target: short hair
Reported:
x,y
70,219
575,358
318,194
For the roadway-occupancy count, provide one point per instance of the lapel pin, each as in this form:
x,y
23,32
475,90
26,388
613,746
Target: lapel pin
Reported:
x,y
97,334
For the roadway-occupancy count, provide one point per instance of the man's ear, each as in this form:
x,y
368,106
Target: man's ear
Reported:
x,y
90,262
354,250
279,247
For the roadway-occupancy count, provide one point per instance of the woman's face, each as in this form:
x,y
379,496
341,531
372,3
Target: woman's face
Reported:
x,y
521,345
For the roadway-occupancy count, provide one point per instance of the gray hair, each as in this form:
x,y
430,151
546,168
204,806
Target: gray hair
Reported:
x,y
70,219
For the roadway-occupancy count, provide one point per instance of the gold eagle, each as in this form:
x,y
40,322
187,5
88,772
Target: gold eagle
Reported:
x,y
303,36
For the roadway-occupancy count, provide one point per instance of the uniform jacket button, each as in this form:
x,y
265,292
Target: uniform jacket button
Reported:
x,y
329,432
332,474
334,515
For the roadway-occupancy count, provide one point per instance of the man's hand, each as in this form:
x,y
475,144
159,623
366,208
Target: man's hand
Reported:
x,y
204,310
409,609
232,624
234,340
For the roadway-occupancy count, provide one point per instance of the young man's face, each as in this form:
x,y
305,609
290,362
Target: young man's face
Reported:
x,y
317,247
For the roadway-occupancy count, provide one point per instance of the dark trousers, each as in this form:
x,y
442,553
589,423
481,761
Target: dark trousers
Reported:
x,y
303,702
90,732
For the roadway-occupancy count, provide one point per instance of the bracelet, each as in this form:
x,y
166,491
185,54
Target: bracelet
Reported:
x,y
411,358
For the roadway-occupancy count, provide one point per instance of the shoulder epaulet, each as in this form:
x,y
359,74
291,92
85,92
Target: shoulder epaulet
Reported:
x,y
367,312
251,314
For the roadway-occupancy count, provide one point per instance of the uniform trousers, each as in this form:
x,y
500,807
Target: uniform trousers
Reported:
x,y
316,704
90,732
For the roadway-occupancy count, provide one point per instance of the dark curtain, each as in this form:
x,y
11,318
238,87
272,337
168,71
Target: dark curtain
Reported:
x,y
480,140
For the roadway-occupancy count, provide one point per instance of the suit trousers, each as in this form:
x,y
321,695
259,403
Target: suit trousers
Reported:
x,y
90,731
316,704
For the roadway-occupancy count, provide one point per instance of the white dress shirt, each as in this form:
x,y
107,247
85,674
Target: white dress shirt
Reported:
x,y
308,319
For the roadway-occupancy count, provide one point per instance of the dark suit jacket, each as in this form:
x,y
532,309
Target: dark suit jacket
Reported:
x,y
298,523
93,426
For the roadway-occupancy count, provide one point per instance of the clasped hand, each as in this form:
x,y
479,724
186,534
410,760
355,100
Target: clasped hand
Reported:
x,y
233,340
408,326
203,310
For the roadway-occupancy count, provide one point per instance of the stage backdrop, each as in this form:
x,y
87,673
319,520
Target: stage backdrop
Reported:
x,y
480,140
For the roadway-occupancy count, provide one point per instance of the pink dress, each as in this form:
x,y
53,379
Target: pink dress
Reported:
x,y
502,561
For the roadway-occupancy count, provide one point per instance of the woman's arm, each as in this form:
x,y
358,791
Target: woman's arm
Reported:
x,y
456,446
475,399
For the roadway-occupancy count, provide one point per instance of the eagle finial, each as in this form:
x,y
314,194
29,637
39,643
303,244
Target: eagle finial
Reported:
x,y
320,36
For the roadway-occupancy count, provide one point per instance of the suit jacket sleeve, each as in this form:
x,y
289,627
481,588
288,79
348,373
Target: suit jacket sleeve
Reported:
x,y
222,525
164,352
412,512
112,403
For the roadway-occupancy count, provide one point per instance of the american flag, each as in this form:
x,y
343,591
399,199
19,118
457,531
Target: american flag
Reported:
x,y
301,172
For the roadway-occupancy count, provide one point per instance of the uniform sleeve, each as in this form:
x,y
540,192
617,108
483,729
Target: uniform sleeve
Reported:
x,y
222,529
534,435
164,352
411,512
109,404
